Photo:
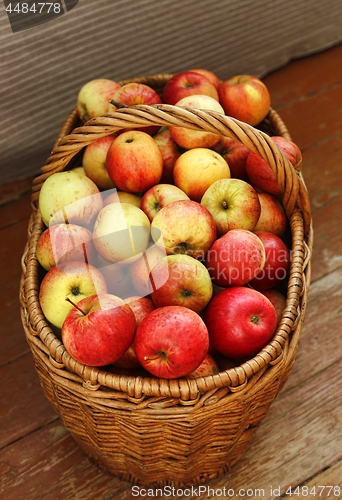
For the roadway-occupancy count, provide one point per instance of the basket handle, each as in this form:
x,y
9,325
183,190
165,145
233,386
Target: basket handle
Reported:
x,y
290,182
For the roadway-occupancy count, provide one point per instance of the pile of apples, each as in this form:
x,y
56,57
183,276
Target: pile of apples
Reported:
x,y
164,252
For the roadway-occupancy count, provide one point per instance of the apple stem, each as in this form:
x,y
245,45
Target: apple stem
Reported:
x,y
118,104
75,305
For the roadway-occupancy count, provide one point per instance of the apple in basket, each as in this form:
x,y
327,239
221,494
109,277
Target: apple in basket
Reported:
x,y
197,169
187,83
272,216
98,330
184,227
181,280
94,98
276,263
137,93
214,79
171,342
206,368
141,307
134,162
235,258
159,196
245,98
69,197
170,152
122,197
278,300
235,153
121,233
233,203
65,242
74,280
94,162
189,139
241,321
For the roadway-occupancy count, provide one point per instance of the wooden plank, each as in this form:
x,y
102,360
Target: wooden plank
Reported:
x,y
24,407
305,75
320,117
322,172
14,238
319,345
320,485
48,465
15,190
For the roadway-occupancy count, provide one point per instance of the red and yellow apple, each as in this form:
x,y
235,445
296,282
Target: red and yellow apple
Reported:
x,y
94,98
214,79
272,216
170,152
94,162
158,196
185,84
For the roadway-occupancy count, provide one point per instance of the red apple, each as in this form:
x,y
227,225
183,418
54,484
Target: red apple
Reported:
x,y
94,98
206,368
65,242
140,270
180,280
278,300
233,203
276,264
134,161
137,93
208,74
272,216
158,196
260,173
94,162
187,83
184,227
141,307
197,169
241,321
99,330
170,152
235,258
245,98
235,153
188,138
171,342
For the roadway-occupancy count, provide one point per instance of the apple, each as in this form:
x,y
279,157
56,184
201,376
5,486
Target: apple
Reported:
x,y
233,204
94,162
65,242
260,173
69,197
197,169
74,280
189,139
79,170
158,196
184,227
94,98
170,152
276,263
206,368
181,281
122,197
235,258
141,307
272,217
278,300
187,83
214,79
121,233
137,93
98,330
140,270
134,161
240,321
171,342
245,98
117,277
235,153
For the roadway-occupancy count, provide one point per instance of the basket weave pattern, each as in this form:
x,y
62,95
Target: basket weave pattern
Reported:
x,y
154,431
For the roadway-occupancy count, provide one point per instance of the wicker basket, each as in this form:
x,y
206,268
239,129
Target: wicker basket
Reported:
x,y
179,432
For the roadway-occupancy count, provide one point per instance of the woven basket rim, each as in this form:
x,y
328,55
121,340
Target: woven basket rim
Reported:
x,y
297,208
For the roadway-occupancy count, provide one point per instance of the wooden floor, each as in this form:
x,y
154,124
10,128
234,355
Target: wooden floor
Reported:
x,y
299,443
